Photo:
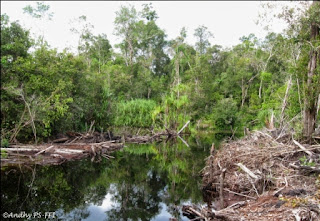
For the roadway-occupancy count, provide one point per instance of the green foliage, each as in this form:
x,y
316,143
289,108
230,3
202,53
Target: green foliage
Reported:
x,y
135,113
203,36
172,112
38,12
152,81
4,153
224,114
4,143
15,42
305,162
266,77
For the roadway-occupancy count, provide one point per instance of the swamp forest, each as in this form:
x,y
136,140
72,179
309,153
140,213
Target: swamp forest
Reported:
x,y
154,128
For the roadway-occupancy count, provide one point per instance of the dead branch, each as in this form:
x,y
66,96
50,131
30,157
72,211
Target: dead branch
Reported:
x,y
18,127
302,147
90,128
185,142
183,127
306,168
21,149
249,172
191,211
60,140
69,151
222,175
93,150
42,151
240,194
237,204
107,156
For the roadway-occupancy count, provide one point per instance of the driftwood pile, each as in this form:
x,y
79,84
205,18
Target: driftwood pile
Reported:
x,y
54,154
74,145
259,178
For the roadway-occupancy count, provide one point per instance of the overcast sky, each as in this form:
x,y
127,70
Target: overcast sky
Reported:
x,y
228,21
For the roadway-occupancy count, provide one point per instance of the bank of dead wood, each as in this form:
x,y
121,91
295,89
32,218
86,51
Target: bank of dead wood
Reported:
x,y
53,154
259,178
74,146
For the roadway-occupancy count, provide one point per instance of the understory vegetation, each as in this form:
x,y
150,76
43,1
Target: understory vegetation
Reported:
x,y
151,81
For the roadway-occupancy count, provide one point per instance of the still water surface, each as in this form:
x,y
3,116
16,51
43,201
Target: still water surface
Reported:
x,y
142,182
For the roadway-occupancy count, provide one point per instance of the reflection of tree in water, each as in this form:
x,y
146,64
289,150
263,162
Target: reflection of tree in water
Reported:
x,y
136,191
182,164
53,188
139,179
170,174
77,214
172,160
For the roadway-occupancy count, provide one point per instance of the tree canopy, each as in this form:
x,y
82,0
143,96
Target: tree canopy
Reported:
x,y
157,82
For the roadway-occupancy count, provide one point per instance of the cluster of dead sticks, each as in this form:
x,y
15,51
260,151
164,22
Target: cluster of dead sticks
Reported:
x,y
260,178
74,146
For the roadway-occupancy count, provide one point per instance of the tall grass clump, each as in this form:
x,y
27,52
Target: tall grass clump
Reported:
x,y
134,113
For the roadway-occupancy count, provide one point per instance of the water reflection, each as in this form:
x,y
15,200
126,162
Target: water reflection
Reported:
x,y
142,182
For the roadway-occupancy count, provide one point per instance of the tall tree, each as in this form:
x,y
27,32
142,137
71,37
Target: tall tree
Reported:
x,y
40,12
125,22
203,36
100,50
312,88
303,22
83,29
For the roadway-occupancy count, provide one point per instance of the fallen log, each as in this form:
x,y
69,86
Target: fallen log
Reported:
x,y
194,213
60,140
39,151
22,149
22,155
68,151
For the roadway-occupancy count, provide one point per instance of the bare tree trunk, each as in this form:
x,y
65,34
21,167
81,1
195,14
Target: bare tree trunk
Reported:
x,y
299,94
311,87
318,107
260,89
245,88
264,69
177,72
243,97
311,95
149,93
285,101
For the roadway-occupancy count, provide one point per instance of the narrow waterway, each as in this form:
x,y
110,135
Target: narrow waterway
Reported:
x,y
141,182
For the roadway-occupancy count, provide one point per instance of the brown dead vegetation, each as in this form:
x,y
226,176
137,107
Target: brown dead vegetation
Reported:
x,y
259,178
54,154
74,146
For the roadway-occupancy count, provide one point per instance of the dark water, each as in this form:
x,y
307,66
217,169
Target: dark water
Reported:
x,y
142,182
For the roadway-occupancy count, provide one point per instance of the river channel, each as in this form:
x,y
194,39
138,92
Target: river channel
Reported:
x,y
141,182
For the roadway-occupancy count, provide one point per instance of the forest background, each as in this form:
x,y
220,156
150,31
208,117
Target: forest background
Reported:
x,y
154,82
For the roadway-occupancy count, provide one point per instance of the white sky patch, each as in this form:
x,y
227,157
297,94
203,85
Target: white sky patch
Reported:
x,y
98,212
228,21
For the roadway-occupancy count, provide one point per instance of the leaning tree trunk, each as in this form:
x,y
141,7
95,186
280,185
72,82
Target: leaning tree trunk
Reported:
x,y
312,85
